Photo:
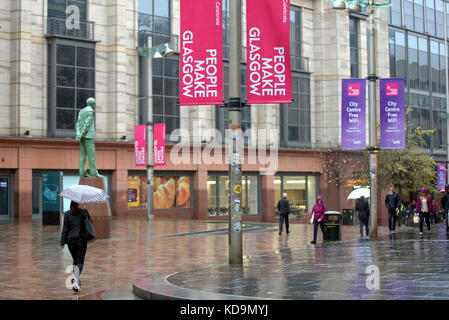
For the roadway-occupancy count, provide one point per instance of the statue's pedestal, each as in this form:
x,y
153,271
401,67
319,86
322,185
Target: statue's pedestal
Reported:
x,y
99,212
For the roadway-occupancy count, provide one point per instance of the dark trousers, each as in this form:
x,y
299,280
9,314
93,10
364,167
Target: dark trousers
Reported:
x,y
78,250
422,216
392,218
315,228
364,222
282,217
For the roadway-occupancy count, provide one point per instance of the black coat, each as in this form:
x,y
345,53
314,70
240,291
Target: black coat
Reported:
x,y
362,207
392,201
284,206
445,202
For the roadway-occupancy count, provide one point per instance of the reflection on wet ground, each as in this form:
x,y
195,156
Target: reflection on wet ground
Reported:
x,y
33,266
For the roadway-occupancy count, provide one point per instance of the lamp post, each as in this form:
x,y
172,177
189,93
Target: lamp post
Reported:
x,y
372,97
235,122
149,53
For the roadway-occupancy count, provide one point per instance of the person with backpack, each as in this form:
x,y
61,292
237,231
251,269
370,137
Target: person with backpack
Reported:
x,y
74,235
424,206
362,207
317,213
392,202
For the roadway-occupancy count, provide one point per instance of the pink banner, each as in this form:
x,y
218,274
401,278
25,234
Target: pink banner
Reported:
x,y
201,61
269,78
159,145
140,145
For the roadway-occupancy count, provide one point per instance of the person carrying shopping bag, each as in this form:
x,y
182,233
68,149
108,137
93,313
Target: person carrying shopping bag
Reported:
x,y
317,217
76,236
424,206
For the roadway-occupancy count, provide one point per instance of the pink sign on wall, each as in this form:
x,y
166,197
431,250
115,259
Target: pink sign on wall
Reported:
x,y
140,145
201,57
159,145
268,51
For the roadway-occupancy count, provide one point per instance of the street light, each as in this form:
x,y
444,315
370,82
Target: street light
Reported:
x,y
149,53
372,100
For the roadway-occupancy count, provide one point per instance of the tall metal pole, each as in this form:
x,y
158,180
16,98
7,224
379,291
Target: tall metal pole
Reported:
x,y
235,122
148,87
372,103
447,77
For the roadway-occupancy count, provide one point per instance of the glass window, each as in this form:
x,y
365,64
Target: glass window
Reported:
x,y
295,117
295,37
439,18
442,69
354,46
413,65
154,19
396,13
419,15
301,192
73,84
423,65
430,17
218,195
408,14
401,65
438,134
435,65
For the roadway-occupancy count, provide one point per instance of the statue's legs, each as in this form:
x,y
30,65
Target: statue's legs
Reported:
x,y
90,148
83,172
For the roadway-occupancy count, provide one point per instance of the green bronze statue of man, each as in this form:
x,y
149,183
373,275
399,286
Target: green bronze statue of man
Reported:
x,y
85,134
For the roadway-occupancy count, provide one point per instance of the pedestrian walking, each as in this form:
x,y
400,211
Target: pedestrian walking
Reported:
x,y
362,207
73,234
284,210
392,201
424,206
317,213
445,206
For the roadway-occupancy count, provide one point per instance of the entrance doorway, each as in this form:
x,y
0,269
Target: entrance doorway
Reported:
x,y
5,197
37,197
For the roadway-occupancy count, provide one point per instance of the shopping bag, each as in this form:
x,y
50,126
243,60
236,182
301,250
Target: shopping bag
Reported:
x,y
312,217
416,218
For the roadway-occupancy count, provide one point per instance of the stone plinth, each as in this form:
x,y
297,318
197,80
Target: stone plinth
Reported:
x,y
99,212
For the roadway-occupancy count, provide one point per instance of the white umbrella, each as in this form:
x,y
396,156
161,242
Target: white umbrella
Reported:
x,y
357,193
84,194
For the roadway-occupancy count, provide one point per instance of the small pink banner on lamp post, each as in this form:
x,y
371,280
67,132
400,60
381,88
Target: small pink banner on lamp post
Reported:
x,y
140,145
159,145
201,53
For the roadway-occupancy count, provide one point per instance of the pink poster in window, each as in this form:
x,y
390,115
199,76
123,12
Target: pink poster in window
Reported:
x,y
201,56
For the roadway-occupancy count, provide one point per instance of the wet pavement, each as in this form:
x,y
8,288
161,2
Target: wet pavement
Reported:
x,y
196,254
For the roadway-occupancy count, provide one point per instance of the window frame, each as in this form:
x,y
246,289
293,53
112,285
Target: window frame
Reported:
x,y
53,42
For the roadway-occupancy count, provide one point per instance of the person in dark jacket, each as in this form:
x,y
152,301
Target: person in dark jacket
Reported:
x,y
72,235
392,202
425,207
362,207
284,210
445,206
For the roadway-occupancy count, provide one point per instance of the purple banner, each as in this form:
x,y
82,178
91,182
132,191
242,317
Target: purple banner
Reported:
x,y
441,175
353,114
392,113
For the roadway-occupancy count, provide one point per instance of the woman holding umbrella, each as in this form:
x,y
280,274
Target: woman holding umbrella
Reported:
x,y
78,228
73,234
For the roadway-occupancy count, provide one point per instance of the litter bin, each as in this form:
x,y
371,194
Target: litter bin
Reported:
x,y
348,217
332,225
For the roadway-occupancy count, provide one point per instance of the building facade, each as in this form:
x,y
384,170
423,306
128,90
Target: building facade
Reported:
x,y
56,53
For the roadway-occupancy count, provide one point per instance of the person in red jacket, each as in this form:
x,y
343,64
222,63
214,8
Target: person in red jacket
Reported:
x,y
318,219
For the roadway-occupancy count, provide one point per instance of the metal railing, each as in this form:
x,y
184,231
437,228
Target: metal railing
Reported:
x,y
57,26
158,39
